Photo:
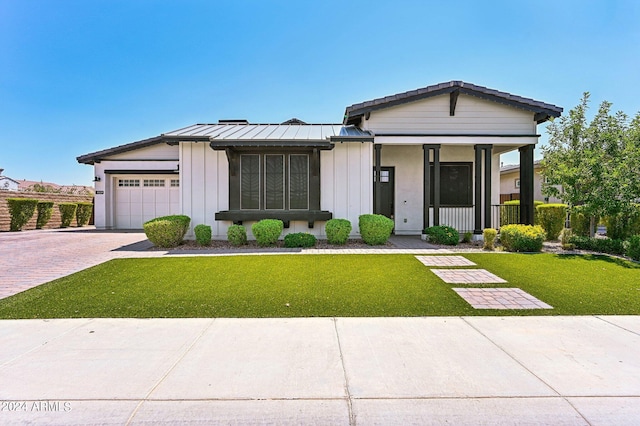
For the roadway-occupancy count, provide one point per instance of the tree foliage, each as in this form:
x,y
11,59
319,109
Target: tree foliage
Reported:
x,y
595,165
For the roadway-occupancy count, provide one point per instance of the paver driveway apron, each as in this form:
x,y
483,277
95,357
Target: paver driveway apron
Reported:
x,y
36,257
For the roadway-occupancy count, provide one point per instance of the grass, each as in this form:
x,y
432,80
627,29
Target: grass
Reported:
x,y
322,285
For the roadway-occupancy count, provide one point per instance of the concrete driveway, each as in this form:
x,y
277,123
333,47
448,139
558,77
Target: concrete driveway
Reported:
x,y
31,258
333,371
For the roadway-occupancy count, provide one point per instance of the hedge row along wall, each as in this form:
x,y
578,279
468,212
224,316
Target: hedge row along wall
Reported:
x,y
5,217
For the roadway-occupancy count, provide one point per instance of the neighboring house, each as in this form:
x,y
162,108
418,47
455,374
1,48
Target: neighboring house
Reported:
x,y
40,186
510,184
7,184
424,157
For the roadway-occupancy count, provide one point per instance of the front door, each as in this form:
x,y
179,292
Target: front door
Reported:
x,y
386,192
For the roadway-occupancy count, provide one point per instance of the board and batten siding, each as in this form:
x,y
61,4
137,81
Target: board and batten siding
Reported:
x,y
346,182
472,115
204,179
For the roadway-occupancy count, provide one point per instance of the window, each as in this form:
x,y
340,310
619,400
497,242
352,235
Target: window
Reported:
x,y
384,176
128,182
456,184
153,182
517,183
274,182
175,183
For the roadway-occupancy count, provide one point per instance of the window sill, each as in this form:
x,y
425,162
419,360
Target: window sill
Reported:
x,y
239,216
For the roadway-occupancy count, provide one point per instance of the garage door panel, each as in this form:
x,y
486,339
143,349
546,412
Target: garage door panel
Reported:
x,y
142,198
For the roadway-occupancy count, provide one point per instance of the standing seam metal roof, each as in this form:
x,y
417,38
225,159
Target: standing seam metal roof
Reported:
x,y
291,132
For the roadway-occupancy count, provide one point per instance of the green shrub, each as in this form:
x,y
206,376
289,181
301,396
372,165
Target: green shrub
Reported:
x,y
601,245
338,231
267,231
580,222
466,238
375,229
167,231
489,236
623,225
525,238
443,234
237,235
67,213
552,218
299,239
83,213
565,239
632,247
510,212
21,211
203,234
45,210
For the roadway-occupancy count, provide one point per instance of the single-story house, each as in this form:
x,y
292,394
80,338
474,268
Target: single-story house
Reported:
x,y
510,183
424,157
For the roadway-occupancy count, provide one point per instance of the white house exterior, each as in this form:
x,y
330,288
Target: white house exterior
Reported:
x,y
435,150
8,184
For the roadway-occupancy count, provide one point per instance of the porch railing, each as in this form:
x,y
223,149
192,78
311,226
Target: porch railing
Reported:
x,y
463,218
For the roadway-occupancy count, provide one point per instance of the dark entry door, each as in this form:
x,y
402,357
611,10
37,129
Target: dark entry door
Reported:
x,y
386,192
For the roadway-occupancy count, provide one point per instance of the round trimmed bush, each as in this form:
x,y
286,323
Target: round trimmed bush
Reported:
x,y
552,217
67,213
443,234
375,229
167,231
83,213
267,231
489,236
526,238
203,234
45,210
21,210
338,231
237,235
299,239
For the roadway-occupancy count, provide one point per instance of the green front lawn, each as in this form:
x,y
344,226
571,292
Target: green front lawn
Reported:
x,y
321,286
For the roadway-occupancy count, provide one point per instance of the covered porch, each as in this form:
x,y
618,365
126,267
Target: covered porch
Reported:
x,y
430,184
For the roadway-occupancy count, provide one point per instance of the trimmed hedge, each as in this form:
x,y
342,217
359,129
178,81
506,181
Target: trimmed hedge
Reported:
x,y
510,212
83,213
522,238
602,245
21,210
203,234
267,231
375,229
623,225
237,235
167,231
552,218
489,236
338,231
443,234
299,239
45,210
632,247
67,213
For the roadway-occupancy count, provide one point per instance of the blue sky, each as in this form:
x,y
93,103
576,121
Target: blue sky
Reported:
x,y
80,76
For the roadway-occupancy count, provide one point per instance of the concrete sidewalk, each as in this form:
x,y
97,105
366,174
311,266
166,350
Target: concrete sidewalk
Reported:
x,y
470,370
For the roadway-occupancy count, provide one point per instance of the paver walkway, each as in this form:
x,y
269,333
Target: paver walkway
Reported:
x,y
445,261
467,276
500,298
